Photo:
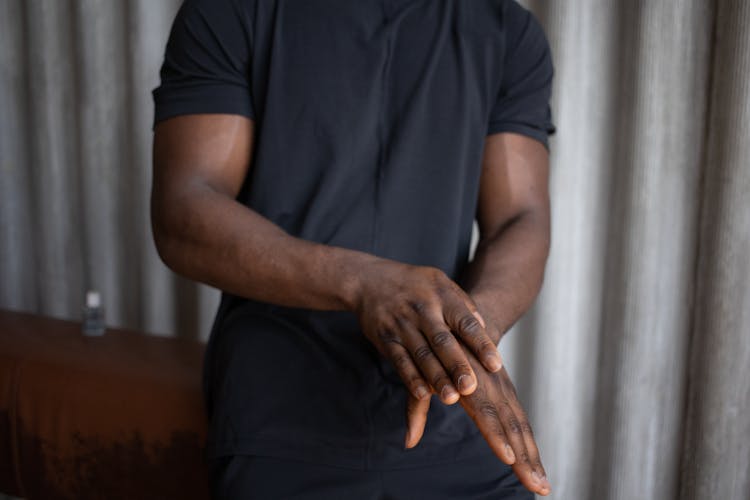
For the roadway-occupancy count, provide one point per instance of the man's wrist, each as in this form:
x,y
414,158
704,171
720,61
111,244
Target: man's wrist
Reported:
x,y
488,305
350,270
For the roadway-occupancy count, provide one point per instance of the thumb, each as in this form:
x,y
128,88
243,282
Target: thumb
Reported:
x,y
416,418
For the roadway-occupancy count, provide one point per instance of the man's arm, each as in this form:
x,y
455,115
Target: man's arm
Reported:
x,y
410,313
201,232
503,279
513,214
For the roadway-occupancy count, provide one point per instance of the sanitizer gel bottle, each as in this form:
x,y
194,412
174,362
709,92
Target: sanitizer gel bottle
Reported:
x,y
93,315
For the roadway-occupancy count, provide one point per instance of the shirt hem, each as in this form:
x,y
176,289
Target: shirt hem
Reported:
x,y
541,135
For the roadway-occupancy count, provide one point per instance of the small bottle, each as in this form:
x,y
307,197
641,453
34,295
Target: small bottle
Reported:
x,y
93,315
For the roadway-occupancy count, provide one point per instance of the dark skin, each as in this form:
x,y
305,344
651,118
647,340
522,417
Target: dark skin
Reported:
x,y
440,336
503,279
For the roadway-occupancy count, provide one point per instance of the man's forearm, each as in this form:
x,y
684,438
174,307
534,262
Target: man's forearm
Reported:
x,y
507,271
209,237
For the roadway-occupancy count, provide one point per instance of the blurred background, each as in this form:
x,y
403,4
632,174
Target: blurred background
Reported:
x,y
635,360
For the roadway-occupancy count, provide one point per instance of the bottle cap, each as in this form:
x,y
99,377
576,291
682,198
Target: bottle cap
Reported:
x,y
93,299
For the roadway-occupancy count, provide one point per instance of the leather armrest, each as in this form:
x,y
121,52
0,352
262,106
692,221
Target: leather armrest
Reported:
x,y
116,416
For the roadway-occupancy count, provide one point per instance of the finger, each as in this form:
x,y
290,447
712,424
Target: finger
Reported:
x,y
450,353
429,365
416,419
460,316
527,433
512,428
405,367
487,419
527,461
537,469
538,486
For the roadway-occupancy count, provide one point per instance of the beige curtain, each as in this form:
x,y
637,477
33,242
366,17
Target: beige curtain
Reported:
x,y
635,361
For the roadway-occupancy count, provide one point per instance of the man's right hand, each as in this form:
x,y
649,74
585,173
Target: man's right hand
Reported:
x,y
414,315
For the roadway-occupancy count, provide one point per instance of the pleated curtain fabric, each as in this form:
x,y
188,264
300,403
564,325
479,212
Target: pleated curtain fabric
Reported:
x,y
635,360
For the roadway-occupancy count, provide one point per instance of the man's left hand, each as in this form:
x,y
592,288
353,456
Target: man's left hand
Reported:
x,y
498,414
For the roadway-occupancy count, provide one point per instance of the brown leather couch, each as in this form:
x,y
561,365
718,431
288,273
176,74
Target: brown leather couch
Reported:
x,y
111,417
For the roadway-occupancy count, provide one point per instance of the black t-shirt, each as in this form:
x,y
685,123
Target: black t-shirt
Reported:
x,y
370,118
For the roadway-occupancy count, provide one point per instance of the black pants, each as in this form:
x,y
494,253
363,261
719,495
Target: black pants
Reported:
x,y
250,477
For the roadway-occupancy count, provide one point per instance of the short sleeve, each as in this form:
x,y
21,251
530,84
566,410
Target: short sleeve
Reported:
x,y
206,66
523,102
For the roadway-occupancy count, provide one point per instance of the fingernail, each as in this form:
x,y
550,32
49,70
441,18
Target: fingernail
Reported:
x,y
464,382
545,487
493,360
448,392
421,392
537,478
511,455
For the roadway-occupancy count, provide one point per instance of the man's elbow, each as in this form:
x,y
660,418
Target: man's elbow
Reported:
x,y
165,244
532,218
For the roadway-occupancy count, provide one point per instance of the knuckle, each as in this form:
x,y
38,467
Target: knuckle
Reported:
x,y
486,346
418,306
488,410
469,325
402,363
422,352
526,427
439,280
524,458
386,336
513,426
437,274
491,419
442,339
401,321
406,307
